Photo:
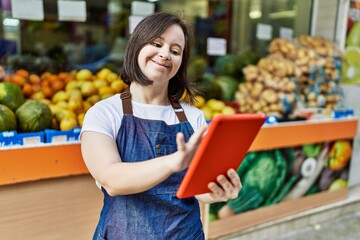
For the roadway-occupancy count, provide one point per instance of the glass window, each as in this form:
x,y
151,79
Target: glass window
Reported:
x,y
52,45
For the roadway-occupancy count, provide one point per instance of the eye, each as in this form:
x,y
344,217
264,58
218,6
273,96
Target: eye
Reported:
x,y
175,52
156,44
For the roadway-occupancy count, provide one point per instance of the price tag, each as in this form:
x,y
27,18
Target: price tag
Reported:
x,y
72,10
286,33
263,31
27,9
216,46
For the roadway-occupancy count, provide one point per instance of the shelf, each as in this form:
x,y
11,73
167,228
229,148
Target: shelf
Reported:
x,y
51,161
298,133
42,162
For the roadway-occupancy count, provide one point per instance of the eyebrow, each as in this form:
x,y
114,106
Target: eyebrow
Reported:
x,y
176,44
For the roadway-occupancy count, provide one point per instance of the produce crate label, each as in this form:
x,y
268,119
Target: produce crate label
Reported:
x,y
31,140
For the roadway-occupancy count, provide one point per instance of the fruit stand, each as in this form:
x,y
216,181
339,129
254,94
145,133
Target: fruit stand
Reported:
x,y
48,191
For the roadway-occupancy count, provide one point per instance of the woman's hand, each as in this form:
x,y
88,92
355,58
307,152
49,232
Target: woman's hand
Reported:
x,y
185,151
225,188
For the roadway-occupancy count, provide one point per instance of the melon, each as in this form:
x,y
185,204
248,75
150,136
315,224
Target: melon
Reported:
x,y
33,116
7,119
11,95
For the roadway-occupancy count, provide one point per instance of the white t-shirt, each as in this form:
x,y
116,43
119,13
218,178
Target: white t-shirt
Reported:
x,y
106,115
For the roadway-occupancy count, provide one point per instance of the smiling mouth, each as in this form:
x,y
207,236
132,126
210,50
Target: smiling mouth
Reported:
x,y
160,64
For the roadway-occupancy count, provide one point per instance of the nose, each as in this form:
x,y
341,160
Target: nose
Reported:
x,y
164,53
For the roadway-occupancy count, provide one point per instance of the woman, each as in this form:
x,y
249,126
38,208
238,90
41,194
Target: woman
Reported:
x,y
138,145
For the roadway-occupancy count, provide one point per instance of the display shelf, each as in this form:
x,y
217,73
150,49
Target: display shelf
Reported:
x,y
41,162
23,164
297,133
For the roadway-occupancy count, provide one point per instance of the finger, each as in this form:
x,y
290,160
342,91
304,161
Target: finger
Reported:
x,y
198,135
234,178
180,141
230,190
217,190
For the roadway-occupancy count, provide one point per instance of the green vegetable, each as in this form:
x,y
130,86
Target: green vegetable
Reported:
x,y
313,189
228,86
11,95
338,184
312,150
353,38
280,164
215,207
33,116
228,65
212,217
249,198
196,68
7,119
209,87
262,175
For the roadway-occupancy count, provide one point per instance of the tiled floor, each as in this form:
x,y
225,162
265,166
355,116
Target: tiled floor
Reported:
x,y
336,221
341,228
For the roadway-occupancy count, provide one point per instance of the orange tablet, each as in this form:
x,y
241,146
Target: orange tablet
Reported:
x,y
224,146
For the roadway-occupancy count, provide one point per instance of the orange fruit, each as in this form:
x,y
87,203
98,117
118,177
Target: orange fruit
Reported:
x,y
58,85
34,79
48,91
18,80
22,72
27,90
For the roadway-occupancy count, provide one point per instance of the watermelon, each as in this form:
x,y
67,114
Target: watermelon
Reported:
x,y
33,116
7,119
11,95
228,65
228,86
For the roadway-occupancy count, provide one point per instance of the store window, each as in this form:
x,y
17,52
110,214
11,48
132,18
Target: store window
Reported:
x,y
51,44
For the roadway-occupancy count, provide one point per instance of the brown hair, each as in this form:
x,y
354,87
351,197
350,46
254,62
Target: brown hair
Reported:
x,y
150,28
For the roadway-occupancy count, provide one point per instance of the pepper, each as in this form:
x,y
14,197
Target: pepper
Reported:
x,y
339,155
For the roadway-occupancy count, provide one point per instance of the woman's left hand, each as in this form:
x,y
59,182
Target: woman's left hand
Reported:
x,y
226,187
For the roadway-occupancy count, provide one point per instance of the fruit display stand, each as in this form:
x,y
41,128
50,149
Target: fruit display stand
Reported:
x,y
47,193
281,136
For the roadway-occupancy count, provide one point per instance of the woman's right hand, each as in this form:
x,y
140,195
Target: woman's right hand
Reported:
x,y
185,151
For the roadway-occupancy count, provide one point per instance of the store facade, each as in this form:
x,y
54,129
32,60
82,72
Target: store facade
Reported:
x,y
69,36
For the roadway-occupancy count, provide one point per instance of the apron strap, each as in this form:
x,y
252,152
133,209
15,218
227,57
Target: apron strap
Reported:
x,y
179,111
126,102
127,107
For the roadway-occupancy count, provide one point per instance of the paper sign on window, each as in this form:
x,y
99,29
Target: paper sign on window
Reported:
x,y
72,10
216,46
27,9
286,33
263,31
142,8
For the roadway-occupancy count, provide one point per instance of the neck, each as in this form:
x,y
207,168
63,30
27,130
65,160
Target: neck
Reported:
x,y
149,94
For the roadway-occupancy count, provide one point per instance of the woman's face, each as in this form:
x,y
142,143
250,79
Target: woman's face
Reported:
x,y
161,59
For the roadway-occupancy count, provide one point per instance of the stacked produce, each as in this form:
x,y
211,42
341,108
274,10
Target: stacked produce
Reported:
x,y
304,72
269,86
319,63
219,86
30,103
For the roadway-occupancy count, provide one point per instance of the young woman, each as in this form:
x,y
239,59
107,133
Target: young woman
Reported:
x,y
138,144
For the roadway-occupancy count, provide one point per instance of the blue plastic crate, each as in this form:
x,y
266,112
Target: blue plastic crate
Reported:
x,y
13,138
57,136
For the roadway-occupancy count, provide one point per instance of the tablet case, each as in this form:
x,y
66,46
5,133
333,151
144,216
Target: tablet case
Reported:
x,y
224,146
